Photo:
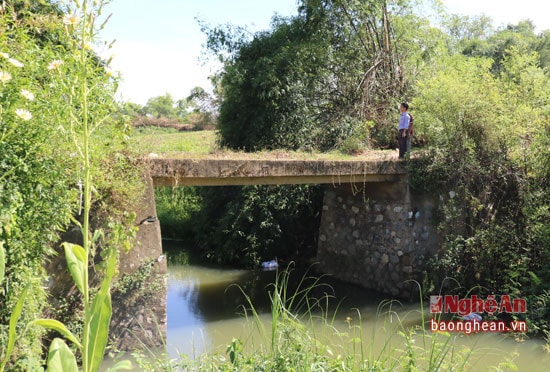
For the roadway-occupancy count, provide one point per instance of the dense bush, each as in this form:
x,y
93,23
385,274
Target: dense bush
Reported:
x,y
488,138
41,167
176,209
38,191
246,225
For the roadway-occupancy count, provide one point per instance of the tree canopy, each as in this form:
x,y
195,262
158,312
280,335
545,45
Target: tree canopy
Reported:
x,y
313,79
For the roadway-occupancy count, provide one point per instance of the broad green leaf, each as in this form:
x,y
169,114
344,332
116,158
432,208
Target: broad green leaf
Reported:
x,y
2,262
61,357
14,318
100,318
57,326
76,262
98,330
122,365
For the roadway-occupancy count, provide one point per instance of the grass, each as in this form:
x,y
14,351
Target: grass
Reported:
x,y
168,142
148,140
302,335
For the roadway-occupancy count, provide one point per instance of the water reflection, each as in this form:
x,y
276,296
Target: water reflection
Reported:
x,y
204,303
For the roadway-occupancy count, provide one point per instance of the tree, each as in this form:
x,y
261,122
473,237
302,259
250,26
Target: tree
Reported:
x,y
544,49
199,100
312,79
200,108
131,109
521,36
161,106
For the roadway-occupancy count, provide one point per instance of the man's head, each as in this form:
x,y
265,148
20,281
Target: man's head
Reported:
x,y
404,106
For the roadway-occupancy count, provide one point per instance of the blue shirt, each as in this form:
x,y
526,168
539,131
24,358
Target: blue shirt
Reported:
x,y
404,121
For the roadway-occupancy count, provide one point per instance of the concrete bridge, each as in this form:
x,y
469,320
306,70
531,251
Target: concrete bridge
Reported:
x,y
378,167
374,231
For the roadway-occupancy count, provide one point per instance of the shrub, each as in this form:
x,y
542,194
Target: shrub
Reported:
x,y
246,225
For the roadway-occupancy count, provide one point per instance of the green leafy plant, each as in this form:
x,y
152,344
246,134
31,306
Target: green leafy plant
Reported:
x,y
83,114
36,193
80,24
2,262
493,212
12,333
257,222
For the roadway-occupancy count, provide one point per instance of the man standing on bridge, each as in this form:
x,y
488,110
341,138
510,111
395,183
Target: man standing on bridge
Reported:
x,y
403,129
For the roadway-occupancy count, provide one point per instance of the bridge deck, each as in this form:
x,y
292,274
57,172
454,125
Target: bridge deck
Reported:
x,y
225,172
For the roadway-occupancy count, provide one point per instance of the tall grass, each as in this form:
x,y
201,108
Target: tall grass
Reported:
x,y
304,334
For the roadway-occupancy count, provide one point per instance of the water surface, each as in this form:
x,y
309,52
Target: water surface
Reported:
x,y
206,310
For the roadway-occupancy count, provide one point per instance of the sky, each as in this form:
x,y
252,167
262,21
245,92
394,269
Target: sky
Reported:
x,y
158,43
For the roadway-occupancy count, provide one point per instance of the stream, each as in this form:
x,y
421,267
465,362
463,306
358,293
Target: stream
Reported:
x,y
206,306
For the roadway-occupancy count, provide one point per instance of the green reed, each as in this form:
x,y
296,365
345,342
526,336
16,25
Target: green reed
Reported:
x,y
303,334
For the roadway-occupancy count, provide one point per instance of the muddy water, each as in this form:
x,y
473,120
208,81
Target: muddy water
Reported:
x,y
206,307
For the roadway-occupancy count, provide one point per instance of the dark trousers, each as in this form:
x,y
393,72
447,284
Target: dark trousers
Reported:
x,y
402,142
